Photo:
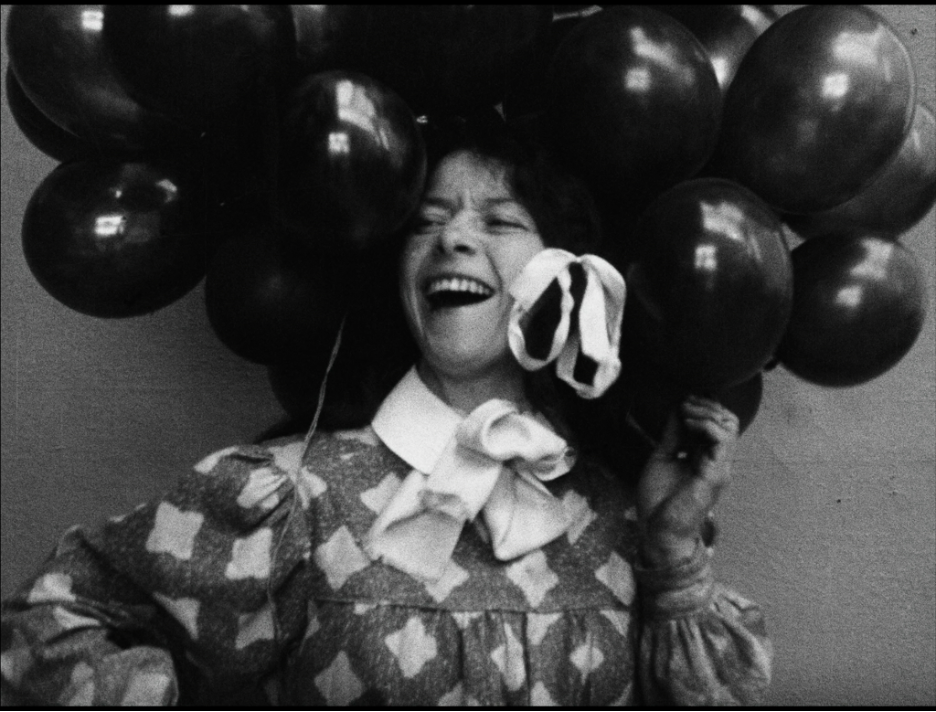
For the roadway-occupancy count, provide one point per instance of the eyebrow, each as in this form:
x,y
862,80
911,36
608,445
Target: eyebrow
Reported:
x,y
488,202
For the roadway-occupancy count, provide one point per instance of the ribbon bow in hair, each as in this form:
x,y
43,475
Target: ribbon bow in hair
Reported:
x,y
569,309
495,464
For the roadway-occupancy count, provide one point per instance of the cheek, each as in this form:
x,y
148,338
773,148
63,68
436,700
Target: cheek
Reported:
x,y
407,273
410,261
514,258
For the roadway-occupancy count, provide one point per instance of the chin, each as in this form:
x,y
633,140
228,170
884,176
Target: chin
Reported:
x,y
467,360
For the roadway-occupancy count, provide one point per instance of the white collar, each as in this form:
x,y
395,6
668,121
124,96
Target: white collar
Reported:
x,y
415,423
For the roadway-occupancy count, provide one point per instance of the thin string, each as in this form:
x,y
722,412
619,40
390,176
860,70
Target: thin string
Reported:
x,y
321,395
636,427
294,507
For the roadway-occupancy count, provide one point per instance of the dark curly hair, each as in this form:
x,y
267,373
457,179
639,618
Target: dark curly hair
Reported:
x,y
559,202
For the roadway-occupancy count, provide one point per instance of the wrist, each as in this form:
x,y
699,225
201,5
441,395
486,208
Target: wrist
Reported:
x,y
677,590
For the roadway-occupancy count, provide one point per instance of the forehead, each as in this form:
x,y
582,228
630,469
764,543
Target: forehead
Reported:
x,y
467,175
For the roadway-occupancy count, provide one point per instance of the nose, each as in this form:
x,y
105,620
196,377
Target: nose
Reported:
x,y
458,236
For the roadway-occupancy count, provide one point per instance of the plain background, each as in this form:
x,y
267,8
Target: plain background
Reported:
x,y
830,523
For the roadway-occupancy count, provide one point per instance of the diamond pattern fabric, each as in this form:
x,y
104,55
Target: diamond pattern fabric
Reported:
x,y
174,531
253,574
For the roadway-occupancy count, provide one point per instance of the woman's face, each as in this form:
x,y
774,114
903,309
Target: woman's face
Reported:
x,y
471,241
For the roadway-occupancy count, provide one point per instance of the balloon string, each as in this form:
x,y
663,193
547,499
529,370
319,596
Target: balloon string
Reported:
x,y
636,427
294,508
321,396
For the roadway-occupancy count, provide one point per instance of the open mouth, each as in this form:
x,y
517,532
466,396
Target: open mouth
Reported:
x,y
448,292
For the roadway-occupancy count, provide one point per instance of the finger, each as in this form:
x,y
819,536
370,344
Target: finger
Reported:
x,y
703,443
705,401
723,417
671,440
710,457
711,409
716,431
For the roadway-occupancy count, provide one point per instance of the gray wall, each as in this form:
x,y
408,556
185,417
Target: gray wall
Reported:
x,y
830,523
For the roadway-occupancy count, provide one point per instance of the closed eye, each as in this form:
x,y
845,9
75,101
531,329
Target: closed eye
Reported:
x,y
501,223
429,224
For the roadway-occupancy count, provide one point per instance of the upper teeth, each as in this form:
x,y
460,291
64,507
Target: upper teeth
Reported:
x,y
457,284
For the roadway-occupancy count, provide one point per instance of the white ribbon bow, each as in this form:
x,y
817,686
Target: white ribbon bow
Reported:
x,y
597,312
495,464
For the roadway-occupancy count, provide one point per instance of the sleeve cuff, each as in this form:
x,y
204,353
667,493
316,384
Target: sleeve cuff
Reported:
x,y
679,590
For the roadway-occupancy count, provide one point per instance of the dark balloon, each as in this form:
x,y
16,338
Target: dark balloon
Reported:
x,y
200,63
634,104
353,162
266,303
726,31
898,197
296,384
527,85
452,58
743,399
334,37
858,309
376,350
654,397
113,239
59,57
42,133
710,289
820,103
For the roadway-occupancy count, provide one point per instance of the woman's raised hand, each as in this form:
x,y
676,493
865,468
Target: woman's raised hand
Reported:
x,y
683,479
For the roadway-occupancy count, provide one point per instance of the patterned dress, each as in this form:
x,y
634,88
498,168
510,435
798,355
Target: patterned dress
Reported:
x,y
249,584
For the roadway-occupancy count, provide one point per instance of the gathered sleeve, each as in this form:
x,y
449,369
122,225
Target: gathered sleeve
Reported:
x,y
701,643
202,590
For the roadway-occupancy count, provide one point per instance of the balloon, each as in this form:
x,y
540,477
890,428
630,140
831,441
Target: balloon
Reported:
x,y
726,31
526,89
348,402
114,239
452,58
820,103
654,397
858,308
296,383
743,399
201,64
352,164
376,350
58,55
898,198
710,288
42,133
633,103
334,37
264,302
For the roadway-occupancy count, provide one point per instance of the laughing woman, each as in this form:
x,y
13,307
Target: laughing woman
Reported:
x,y
466,546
